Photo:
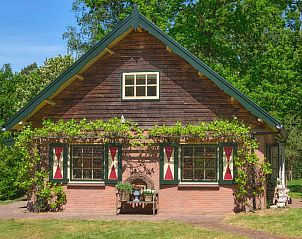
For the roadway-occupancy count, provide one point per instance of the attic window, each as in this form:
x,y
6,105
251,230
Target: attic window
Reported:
x,y
140,86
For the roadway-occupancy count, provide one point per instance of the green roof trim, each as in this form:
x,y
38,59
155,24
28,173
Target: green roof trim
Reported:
x,y
135,20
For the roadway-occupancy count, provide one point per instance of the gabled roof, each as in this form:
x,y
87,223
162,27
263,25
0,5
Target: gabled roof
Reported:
x,y
136,20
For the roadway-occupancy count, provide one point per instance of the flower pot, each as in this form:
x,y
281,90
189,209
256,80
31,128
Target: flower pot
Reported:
x,y
124,196
148,198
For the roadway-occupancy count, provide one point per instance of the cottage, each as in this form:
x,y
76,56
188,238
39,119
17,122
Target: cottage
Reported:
x,y
138,73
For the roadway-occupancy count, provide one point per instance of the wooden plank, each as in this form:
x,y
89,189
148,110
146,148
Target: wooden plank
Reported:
x,y
185,95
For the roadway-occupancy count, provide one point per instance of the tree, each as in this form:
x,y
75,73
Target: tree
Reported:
x,y
7,92
293,146
18,88
15,91
31,83
95,18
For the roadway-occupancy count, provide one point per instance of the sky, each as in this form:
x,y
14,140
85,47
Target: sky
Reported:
x,y
31,30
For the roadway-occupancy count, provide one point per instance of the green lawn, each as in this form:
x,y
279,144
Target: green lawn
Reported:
x,y
295,187
46,228
287,222
5,202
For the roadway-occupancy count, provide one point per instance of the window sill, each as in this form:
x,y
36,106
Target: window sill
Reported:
x,y
85,184
198,185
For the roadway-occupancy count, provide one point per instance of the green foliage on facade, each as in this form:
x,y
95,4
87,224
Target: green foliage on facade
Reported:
x,y
250,171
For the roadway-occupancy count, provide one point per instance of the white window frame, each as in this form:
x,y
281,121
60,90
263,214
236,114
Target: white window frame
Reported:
x,y
124,97
204,180
71,167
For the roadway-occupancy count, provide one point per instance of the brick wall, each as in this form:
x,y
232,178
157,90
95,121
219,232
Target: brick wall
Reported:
x,y
90,198
172,199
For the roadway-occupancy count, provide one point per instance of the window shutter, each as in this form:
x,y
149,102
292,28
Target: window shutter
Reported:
x,y
227,153
58,163
169,163
113,163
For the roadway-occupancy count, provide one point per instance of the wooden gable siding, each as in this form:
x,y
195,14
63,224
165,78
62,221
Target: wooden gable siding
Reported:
x,y
184,96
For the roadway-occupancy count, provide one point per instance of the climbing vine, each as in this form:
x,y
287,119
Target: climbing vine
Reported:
x,y
250,170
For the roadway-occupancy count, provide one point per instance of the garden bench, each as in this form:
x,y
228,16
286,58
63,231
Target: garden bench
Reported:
x,y
154,202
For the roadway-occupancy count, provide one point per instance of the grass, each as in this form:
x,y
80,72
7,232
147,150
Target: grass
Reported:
x,y
5,202
295,187
59,228
286,222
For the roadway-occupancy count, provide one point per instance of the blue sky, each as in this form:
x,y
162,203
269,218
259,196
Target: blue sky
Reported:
x,y
31,30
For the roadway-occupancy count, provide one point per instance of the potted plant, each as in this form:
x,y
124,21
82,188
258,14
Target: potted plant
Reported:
x,y
148,194
124,190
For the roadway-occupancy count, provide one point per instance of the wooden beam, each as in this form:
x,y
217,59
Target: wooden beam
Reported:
x,y
79,77
50,102
140,29
109,51
169,49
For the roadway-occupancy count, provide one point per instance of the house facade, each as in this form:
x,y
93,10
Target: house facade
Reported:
x,y
139,73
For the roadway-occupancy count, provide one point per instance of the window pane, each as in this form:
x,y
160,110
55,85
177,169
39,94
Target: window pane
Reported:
x,y
199,151
87,152
188,162
188,174
97,174
140,79
199,163
97,163
77,173
87,163
77,151
210,151
129,80
77,163
198,174
140,91
98,152
188,151
129,91
87,174
151,79
210,163
151,90
210,175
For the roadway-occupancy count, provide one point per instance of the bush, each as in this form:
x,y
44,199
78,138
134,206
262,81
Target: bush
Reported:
x,y
11,170
46,196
